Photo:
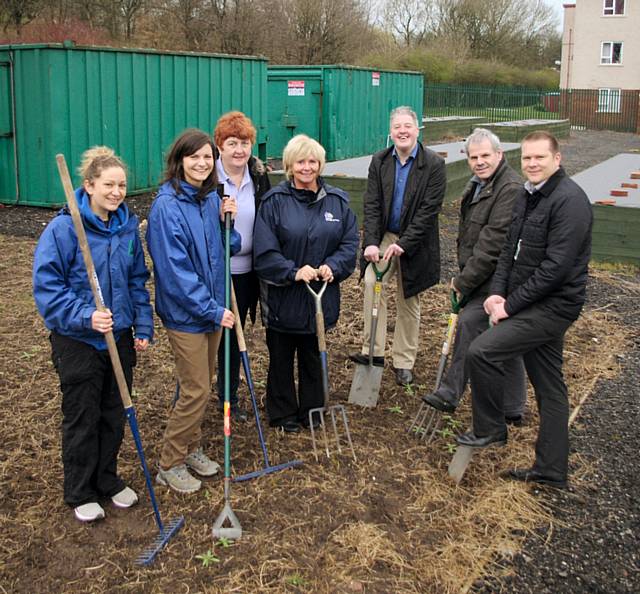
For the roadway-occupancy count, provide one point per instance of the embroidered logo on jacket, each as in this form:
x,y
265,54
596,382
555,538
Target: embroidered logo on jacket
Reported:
x,y
330,218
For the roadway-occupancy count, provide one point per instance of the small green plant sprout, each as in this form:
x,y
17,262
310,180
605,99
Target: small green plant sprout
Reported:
x,y
225,543
206,494
396,409
259,383
408,390
446,432
208,558
451,422
451,447
296,580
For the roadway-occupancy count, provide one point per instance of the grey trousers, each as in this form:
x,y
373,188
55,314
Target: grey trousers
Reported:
x,y
472,322
536,334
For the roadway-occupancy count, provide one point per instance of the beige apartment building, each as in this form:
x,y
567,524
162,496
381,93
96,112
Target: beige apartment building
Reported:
x,y
601,48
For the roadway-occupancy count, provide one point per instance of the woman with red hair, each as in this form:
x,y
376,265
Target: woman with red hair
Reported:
x,y
244,178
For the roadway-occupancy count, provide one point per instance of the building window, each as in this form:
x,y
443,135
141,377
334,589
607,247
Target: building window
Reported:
x,y
613,7
609,100
611,52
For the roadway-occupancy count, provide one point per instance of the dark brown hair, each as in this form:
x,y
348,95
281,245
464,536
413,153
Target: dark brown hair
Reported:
x,y
188,143
543,135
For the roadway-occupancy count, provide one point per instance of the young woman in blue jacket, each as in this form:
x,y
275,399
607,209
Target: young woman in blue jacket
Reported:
x,y
92,410
185,240
305,232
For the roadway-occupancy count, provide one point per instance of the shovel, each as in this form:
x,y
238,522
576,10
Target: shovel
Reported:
x,y
167,530
365,387
427,421
334,410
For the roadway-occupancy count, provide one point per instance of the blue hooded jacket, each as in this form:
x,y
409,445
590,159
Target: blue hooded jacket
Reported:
x,y
294,228
61,286
185,240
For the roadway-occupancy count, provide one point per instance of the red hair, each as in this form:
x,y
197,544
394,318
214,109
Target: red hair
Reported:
x,y
234,123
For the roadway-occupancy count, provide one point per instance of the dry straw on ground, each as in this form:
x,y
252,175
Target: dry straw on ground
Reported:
x,y
392,522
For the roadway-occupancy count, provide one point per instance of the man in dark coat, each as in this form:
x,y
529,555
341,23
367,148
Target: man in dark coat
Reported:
x,y
537,292
485,215
404,195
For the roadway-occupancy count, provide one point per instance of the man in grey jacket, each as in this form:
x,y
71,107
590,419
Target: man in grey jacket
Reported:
x,y
485,215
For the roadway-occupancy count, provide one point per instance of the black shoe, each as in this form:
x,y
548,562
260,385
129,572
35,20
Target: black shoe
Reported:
x,y
361,359
470,439
439,403
404,377
287,426
515,420
528,475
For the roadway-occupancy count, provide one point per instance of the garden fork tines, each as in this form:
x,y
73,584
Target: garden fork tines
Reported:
x,y
335,411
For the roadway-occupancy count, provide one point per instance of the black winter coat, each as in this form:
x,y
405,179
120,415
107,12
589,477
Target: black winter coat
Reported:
x,y
419,236
546,255
484,221
295,228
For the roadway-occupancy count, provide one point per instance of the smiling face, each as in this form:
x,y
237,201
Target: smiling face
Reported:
x,y
235,153
305,173
538,160
404,133
107,191
198,166
483,159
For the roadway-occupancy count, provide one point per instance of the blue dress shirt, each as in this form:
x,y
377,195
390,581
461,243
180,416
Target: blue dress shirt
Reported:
x,y
402,174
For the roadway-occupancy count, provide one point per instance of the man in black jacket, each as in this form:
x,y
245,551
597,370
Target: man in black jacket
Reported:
x,y
404,195
485,215
537,292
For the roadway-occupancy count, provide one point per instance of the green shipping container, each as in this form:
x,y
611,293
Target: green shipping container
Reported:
x,y
345,108
57,98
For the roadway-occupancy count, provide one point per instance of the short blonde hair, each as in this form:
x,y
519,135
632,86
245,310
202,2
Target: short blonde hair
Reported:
x,y
302,147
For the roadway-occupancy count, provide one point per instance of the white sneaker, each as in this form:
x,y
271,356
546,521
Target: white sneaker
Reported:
x,y
89,512
201,463
179,479
125,498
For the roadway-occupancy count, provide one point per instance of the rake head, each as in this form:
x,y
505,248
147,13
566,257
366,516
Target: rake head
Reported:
x,y
167,532
426,423
233,531
335,412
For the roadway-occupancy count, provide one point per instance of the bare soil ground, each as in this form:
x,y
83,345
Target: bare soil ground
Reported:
x,y
390,522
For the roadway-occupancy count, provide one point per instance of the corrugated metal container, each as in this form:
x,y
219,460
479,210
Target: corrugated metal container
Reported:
x,y
63,99
345,108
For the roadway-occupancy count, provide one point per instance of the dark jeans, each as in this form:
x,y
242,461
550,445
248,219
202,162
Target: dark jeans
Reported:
x,y
92,416
246,290
282,403
537,335
472,322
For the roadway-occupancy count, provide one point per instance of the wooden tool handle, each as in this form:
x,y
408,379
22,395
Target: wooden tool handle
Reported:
x,y
93,278
238,326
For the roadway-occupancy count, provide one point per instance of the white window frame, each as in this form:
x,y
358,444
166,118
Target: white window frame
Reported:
x,y
609,100
606,58
609,8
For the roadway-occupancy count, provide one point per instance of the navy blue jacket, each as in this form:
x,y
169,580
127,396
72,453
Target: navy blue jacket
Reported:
x,y
295,228
61,286
185,240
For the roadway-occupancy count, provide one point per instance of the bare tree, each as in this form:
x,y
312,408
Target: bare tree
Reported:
x,y
17,13
408,21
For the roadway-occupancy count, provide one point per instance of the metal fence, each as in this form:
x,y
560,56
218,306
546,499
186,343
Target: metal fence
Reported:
x,y
608,109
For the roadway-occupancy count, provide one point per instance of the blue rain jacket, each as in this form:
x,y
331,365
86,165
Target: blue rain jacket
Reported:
x,y
61,286
185,238
294,228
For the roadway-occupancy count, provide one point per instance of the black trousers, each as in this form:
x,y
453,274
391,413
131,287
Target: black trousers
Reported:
x,y
246,290
282,403
92,416
536,334
471,323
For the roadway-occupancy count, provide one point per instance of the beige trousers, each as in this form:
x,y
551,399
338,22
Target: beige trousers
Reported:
x,y
195,358
407,327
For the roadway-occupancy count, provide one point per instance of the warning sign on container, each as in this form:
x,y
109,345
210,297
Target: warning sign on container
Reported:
x,y
375,79
295,88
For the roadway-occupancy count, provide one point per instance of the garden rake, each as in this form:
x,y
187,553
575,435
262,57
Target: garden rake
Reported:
x,y
427,421
335,409
167,530
365,387
232,530
268,469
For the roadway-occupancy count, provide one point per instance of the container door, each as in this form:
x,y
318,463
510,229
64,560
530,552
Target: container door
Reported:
x,y
295,107
7,153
